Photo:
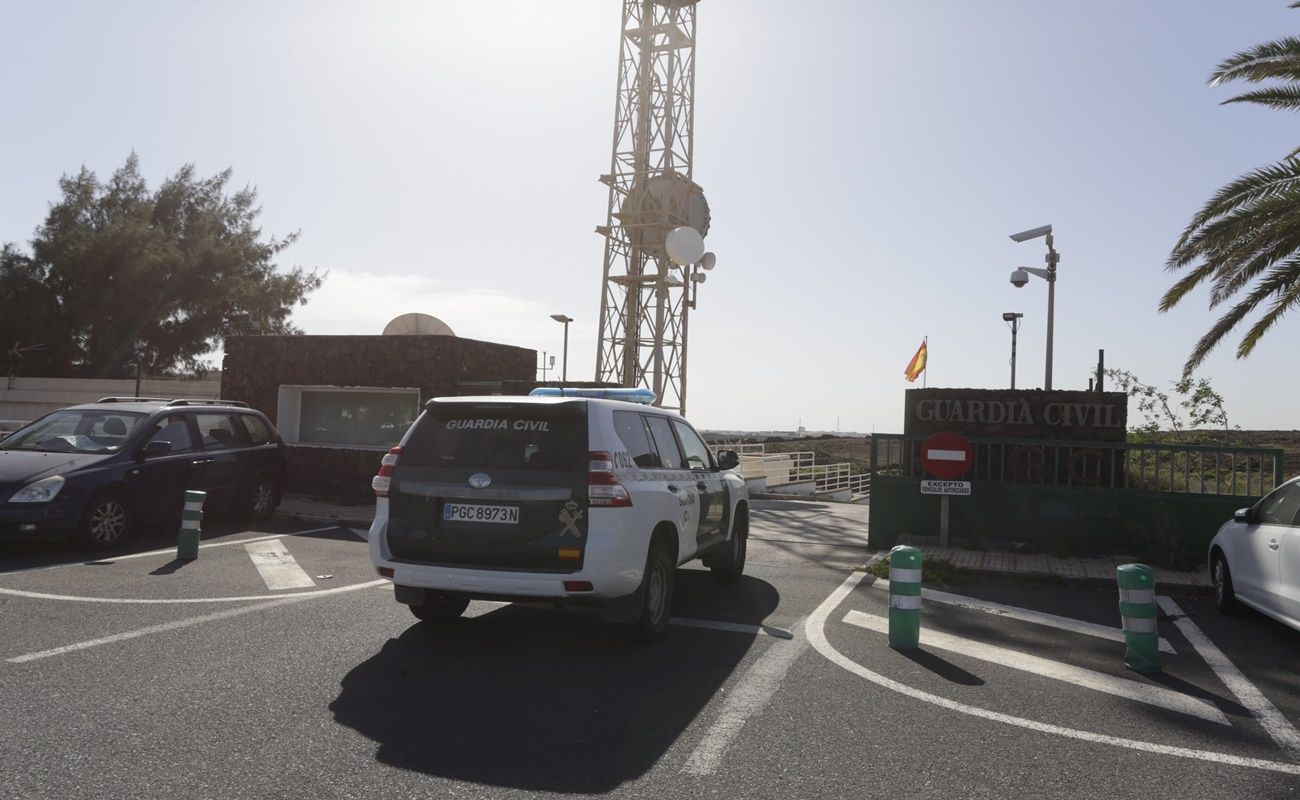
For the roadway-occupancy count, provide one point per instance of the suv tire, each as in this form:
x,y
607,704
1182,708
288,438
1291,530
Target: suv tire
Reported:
x,y
107,520
656,594
259,502
439,608
732,565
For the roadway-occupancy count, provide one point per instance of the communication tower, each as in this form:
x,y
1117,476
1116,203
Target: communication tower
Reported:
x,y
649,286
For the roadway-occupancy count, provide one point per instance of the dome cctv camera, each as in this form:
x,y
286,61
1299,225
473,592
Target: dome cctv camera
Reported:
x,y
1019,278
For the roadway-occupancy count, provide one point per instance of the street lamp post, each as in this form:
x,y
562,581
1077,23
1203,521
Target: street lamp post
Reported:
x,y
1020,277
1013,319
564,372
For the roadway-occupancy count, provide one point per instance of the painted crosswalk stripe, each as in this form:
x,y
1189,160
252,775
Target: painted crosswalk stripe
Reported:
x,y
277,566
1067,673
1027,615
748,697
1272,721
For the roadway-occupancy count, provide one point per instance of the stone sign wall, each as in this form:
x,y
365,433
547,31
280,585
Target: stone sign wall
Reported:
x,y
1017,414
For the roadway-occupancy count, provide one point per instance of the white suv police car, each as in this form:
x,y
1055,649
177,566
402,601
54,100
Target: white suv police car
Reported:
x,y
574,498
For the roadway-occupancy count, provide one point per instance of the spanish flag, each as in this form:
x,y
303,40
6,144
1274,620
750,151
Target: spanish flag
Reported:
x,y
917,365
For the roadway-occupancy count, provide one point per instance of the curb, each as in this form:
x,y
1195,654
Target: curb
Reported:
x,y
1164,587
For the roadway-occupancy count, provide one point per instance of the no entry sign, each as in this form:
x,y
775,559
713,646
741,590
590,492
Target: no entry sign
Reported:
x,y
947,455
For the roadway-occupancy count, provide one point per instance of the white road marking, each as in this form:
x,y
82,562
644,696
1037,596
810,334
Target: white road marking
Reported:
x,y
277,566
749,696
1027,615
815,630
148,601
1272,721
182,623
361,533
168,551
166,626
480,607
1067,673
734,627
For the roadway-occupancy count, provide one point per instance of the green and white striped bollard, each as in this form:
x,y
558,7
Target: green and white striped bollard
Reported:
x,y
905,597
1137,610
187,544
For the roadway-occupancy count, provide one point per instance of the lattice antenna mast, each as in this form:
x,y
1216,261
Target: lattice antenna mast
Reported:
x,y
645,298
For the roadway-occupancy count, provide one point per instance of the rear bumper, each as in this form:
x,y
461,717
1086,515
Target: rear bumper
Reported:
x,y
613,560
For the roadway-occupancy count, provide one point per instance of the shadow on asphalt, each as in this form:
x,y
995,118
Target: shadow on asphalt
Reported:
x,y
524,698
943,667
170,567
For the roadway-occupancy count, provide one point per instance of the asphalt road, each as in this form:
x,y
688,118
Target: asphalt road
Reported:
x,y
134,675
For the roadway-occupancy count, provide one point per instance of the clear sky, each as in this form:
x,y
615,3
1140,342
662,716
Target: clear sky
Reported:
x,y
864,161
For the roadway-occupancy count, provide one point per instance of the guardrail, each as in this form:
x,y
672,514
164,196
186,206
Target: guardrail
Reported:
x,y
780,469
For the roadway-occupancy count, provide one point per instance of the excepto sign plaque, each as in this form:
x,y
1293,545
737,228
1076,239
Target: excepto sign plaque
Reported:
x,y
956,488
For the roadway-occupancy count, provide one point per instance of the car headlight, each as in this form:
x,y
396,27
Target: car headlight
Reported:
x,y
43,491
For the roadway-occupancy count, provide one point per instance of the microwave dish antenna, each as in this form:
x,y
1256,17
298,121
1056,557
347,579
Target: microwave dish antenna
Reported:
x,y
657,214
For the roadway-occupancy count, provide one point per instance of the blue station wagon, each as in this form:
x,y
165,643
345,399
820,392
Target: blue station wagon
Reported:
x,y
96,472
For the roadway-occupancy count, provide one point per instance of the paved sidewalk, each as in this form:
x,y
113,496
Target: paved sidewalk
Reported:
x,y
1099,568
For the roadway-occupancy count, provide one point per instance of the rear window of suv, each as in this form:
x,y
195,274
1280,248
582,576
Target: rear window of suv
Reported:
x,y
529,438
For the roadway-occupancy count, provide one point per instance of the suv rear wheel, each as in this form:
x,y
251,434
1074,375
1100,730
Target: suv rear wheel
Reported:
x,y
656,593
439,608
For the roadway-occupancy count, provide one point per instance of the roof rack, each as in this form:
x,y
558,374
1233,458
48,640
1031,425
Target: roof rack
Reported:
x,y
188,402
131,400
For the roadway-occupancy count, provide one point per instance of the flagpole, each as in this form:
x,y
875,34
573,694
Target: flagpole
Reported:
x,y
925,373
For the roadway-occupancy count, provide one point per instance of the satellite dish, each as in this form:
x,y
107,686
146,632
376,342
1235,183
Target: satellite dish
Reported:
x,y
685,245
416,323
709,261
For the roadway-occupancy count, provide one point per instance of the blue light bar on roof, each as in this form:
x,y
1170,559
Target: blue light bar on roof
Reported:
x,y
626,395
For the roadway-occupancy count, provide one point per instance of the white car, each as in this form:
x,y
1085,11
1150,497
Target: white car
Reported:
x,y
575,498
1255,557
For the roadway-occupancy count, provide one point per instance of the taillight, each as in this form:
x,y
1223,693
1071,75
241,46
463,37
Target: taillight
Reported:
x,y
384,479
603,488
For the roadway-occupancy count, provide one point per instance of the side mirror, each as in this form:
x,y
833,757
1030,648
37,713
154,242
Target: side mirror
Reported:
x,y
154,449
1241,515
727,459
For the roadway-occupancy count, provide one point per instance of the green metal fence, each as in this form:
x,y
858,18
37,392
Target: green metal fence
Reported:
x,y
1160,501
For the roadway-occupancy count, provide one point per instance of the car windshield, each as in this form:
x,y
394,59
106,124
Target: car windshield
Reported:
x,y
76,431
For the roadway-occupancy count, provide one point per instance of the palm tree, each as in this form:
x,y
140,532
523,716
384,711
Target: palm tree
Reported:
x,y
1247,237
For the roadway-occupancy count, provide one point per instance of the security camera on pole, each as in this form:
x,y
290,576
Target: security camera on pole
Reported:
x,y
1020,277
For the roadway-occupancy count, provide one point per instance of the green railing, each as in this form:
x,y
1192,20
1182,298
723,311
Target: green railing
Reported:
x,y
1195,469
1158,501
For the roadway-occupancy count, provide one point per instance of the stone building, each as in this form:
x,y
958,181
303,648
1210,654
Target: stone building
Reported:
x,y
340,402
